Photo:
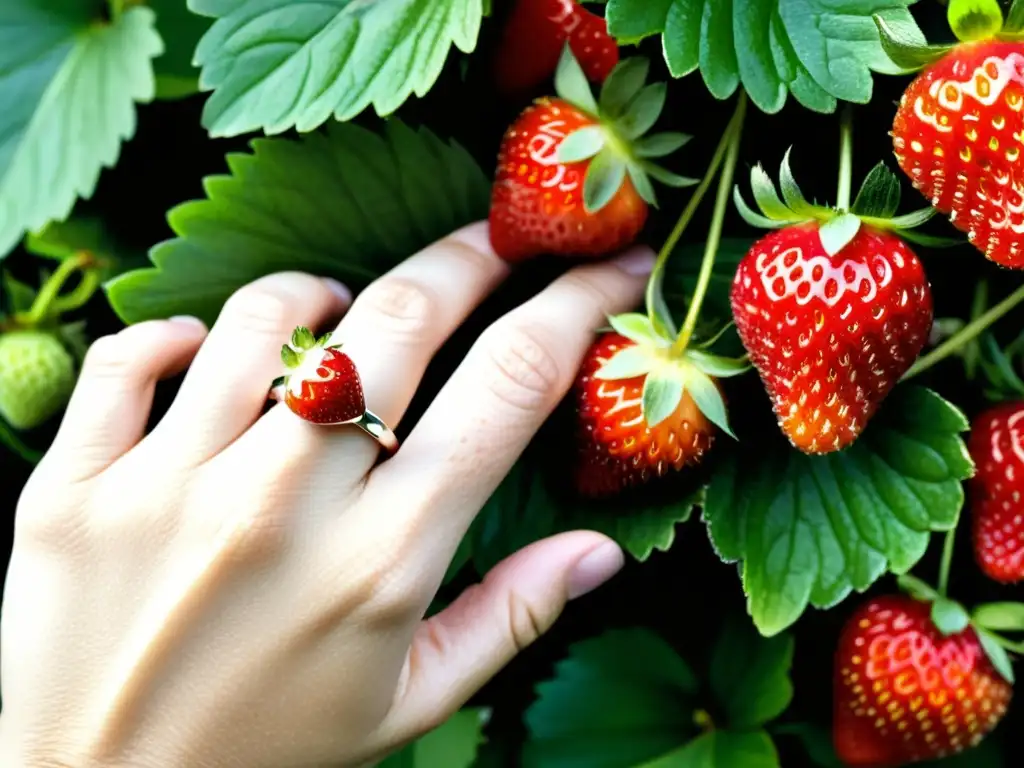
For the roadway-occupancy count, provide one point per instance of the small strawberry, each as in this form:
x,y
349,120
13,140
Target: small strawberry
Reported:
x,y
573,176
619,448
957,131
906,690
833,307
533,39
320,383
37,376
996,445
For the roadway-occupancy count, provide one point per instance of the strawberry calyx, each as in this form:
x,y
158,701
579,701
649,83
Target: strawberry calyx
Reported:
x,y
875,206
971,21
617,146
952,618
301,357
669,374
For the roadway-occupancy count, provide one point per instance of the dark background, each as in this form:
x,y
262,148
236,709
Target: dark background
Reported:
x,y
683,594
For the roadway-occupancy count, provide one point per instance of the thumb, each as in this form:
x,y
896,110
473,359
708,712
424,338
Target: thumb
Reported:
x,y
456,652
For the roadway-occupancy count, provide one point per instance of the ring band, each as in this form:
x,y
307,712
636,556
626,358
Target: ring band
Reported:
x,y
372,425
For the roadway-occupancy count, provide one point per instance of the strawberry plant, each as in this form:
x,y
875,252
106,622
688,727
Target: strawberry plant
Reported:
x,y
808,437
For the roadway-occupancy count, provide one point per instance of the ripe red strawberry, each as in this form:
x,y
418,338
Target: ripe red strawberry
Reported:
x,y
618,449
830,335
321,383
572,175
997,447
957,136
905,692
536,33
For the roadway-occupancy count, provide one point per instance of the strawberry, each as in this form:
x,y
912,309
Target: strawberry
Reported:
x,y
572,175
996,445
534,36
955,136
832,308
905,691
320,383
618,448
37,376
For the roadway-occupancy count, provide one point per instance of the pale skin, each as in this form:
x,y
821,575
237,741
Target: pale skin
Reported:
x,y
237,590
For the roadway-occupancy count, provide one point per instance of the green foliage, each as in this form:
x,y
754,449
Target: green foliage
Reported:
x,y
181,30
274,65
625,699
454,744
68,86
821,51
810,530
366,202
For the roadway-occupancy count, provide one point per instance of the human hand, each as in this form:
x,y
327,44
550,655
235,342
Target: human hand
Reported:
x,y
237,589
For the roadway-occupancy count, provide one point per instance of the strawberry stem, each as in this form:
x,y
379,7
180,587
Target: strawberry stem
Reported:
x,y
845,192
691,209
970,331
715,231
947,561
47,301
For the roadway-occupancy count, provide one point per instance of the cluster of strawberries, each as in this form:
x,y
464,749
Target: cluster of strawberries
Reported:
x,y
832,307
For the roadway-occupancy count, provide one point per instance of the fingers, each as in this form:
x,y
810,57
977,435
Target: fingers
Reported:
x,y
456,652
109,409
392,332
515,375
226,386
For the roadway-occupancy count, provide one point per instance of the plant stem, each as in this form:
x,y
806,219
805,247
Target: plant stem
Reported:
x,y
9,438
845,191
714,232
80,295
691,207
45,300
970,331
947,561
972,352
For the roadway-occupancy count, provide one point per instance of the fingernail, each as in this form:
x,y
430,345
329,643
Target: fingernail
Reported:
x,y
637,261
339,290
187,320
595,568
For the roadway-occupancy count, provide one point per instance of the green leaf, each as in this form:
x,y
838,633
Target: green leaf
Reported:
x,y
668,178
949,616
907,52
879,196
722,749
275,64
346,203
1007,617
626,364
642,183
622,85
837,233
633,326
1015,17
643,112
791,191
996,654
454,744
604,178
181,30
708,398
68,86
572,84
18,295
750,675
766,197
581,144
661,396
811,530
533,502
917,588
618,700
659,144
821,51
816,740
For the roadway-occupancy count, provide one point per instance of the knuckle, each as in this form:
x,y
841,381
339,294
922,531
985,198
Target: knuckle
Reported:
x,y
256,309
108,357
402,307
524,372
590,291
525,622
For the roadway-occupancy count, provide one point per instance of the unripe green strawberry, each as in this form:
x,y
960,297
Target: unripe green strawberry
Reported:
x,y
37,375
